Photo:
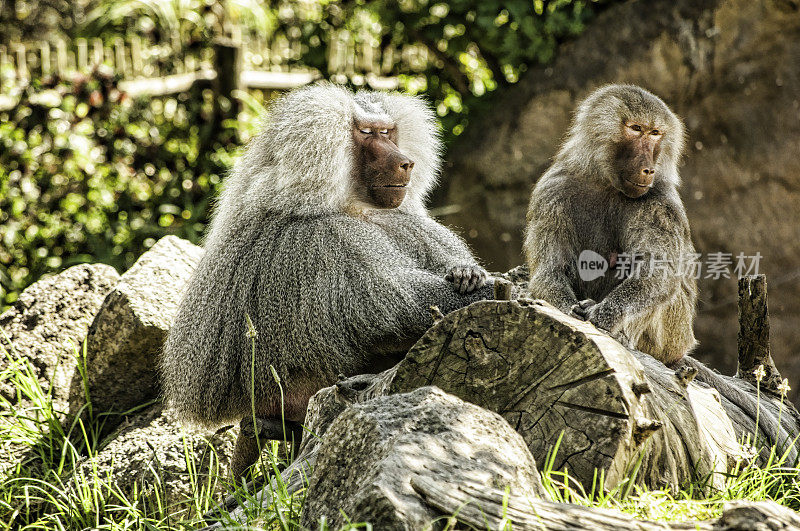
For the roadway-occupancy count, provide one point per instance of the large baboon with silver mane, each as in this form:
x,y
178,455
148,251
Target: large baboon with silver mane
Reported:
x,y
322,239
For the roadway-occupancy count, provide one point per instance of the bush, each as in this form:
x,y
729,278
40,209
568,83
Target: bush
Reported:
x,y
87,174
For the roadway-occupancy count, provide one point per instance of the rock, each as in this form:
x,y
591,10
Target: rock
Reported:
x,y
45,330
48,324
150,452
373,452
730,70
125,339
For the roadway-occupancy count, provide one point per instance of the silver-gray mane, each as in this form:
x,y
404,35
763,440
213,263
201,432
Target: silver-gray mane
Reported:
x,y
300,163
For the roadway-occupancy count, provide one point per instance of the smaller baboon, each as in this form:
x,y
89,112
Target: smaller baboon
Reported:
x,y
610,200
322,240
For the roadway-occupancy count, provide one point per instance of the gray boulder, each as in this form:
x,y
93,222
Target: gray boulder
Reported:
x,y
148,452
43,332
373,453
48,324
125,339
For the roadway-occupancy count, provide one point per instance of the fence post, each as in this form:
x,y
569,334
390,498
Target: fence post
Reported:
x,y
228,64
22,63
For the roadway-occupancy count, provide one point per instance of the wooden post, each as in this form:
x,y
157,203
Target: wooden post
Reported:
x,y
45,61
228,65
119,56
62,60
137,64
83,55
22,63
34,63
98,52
177,53
753,338
387,63
3,62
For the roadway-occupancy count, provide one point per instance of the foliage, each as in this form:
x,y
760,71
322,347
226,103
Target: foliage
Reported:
x,y
476,46
87,174
34,19
193,23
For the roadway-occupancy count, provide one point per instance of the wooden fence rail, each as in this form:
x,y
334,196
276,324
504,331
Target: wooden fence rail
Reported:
x,y
168,65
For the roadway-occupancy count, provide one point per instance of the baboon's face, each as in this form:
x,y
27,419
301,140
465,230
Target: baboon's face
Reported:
x,y
636,156
382,171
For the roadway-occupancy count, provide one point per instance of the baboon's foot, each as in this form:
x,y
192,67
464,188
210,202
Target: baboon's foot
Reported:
x,y
270,429
254,434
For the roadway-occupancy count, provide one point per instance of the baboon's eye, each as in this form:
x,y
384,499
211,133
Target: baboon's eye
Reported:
x,y
636,127
366,131
656,132
384,131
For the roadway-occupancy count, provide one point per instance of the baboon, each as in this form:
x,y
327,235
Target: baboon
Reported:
x,y
321,239
612,190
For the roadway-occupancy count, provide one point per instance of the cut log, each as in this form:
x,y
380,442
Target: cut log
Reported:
x,y
547,373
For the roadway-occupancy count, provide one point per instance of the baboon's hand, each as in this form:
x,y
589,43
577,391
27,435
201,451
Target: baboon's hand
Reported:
x,y
466,278
595,313
581,310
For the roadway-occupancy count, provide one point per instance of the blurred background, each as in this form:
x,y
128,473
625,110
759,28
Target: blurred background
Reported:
x,y
120,118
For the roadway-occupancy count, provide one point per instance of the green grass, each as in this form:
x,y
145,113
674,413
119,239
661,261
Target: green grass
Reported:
x,y
774,480
36,492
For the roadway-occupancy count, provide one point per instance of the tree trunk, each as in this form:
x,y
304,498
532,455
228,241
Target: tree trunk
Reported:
x,y
480,507
608,412
753,337
617,411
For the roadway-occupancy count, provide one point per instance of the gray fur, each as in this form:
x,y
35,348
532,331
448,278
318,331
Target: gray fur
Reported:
x,y
574,207
332,286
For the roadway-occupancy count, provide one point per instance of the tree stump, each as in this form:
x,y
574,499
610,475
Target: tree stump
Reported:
x,y
753,337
